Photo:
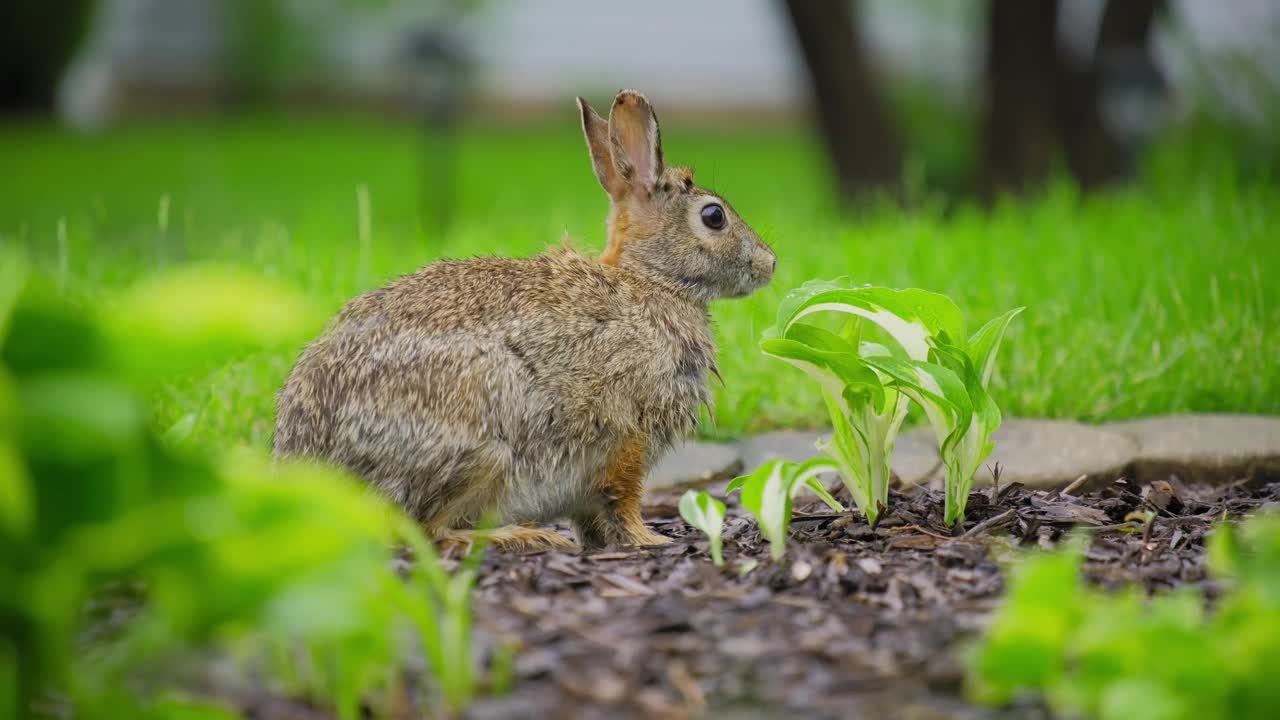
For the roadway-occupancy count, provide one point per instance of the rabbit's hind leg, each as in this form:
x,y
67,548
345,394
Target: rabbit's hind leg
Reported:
x,y
508,538
621,486
459,519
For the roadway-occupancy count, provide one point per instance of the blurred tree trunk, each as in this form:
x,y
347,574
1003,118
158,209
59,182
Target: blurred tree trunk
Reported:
x,y
1039,103
37,42
855,120
1019,131
1094,154
1126,24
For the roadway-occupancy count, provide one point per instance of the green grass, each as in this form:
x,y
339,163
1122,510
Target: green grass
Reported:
x,y
1140,301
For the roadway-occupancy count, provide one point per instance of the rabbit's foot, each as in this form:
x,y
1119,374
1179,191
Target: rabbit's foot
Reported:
x,y
508,538
644,536
595,531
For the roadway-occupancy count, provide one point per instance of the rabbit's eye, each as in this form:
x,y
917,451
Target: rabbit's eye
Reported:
x,y
713,216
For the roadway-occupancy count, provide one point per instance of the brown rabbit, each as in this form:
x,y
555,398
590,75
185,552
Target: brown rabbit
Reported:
x,y
536,388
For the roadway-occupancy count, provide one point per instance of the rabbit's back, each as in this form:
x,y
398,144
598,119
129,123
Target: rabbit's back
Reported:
x,y
509,380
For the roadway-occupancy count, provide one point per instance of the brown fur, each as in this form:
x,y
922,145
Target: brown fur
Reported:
x,y
619,232
510,538
538,388
621,485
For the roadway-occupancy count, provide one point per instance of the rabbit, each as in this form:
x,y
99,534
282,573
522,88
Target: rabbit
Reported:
x,y
542,388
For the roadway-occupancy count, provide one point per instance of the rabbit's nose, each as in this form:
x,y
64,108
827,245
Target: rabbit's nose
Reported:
x,y
773,264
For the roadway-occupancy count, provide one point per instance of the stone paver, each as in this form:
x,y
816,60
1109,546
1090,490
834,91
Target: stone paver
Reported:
x,y
794,445
1204,447
915,458
695,463
1039,453
1042,453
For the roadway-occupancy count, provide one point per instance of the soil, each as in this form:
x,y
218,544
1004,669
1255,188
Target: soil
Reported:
x,y
853,622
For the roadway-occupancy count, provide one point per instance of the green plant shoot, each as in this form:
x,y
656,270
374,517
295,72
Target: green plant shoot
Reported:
x,y
706,513
866,408
866,385
768,493
952,389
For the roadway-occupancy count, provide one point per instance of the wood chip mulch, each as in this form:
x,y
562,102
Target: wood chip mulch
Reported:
x,y
854,621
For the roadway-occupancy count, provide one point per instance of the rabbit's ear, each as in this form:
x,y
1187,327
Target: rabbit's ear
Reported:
x,y
635,141
597,132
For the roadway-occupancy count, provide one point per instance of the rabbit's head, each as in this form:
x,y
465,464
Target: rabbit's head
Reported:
x,y
660,221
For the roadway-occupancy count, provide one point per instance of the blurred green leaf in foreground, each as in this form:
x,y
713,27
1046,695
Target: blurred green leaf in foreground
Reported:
x,y
1120,656
233,554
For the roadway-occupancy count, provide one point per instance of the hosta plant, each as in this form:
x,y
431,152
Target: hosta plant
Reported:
x,y
767,493
867,384
952,389
706,513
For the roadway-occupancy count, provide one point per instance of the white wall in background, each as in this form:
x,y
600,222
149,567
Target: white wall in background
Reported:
x,y
688,52
696,54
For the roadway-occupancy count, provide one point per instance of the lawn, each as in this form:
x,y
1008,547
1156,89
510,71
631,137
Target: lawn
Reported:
x,y
1140,301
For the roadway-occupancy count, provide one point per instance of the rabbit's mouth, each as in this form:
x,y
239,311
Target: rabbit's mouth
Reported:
x,y
749,285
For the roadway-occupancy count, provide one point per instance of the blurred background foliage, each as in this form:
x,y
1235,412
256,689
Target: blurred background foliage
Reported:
x,y
125,556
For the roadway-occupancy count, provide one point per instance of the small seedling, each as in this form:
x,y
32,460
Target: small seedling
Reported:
x,y
706,513
767,493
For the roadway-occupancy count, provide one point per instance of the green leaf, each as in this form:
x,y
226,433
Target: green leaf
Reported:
x,y
1125,654
1025,643
1223,550
849,448
8,404
175,706
766,495
862,444
47,333
180,432
937,389
706,513
865,416
768,491
806,475
985,344
792,301
13,276
929,361
909,316
74,416
962,415
1250,555
828,359
194,316
16,502
1145,698
964,458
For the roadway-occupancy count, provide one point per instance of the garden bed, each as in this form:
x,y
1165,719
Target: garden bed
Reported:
x,y
854,620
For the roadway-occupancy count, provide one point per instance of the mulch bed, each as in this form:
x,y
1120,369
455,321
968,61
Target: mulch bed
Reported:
x,y
853,622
